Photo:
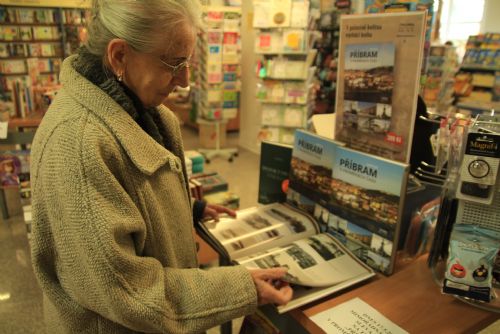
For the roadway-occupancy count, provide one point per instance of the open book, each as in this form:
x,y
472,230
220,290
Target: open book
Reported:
x,y
278,235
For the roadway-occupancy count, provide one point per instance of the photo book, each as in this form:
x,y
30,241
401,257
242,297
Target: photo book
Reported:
x,y
380,57
355,196
274,169
278,235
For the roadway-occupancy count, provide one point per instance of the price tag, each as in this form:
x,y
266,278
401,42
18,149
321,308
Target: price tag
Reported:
x,y
4,126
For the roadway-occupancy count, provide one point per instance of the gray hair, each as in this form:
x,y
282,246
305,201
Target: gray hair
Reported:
x,y
141,23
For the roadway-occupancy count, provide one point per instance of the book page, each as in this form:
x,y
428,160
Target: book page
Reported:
x,y
317,261
260,228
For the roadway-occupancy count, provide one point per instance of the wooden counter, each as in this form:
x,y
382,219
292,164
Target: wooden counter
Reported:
x,y
411,299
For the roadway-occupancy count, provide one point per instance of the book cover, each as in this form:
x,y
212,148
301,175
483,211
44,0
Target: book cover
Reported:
x,y
356,196
378,79
368,86
274,169
294,40
277,235
14,165
211,183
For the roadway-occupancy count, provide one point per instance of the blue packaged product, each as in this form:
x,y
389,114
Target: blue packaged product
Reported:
x,y
470,263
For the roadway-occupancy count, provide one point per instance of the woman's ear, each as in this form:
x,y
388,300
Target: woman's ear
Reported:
x,y
116,56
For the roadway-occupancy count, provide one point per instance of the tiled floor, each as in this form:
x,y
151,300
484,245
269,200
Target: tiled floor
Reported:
x,y
20,297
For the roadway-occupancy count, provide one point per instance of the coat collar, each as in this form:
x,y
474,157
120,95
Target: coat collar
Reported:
x,y
143,150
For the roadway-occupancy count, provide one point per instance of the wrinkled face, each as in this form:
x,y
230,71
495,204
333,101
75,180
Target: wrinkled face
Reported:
x,y
149,75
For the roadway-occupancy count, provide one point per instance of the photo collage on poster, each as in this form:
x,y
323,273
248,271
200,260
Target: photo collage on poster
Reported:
x,y
355,196
380,74
368,86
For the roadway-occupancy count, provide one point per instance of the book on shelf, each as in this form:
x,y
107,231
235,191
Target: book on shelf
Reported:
x,y
356,196
227,199
210,182
196,189
14,165
274,169
278,235
380,59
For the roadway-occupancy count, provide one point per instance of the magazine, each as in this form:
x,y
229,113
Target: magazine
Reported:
x,y
278,235
357,197
380,56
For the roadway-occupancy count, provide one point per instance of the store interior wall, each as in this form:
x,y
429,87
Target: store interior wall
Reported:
x,y
491,21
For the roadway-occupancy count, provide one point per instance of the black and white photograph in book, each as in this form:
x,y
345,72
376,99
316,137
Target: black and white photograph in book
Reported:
x,y
327,250
295,224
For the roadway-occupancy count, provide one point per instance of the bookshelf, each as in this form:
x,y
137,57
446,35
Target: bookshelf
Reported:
x,y
284,39
33,42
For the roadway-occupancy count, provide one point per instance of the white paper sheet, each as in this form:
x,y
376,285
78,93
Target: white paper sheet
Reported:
x,y
355,317
4,126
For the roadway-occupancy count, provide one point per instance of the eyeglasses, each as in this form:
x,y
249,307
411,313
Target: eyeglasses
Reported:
x,y
177,68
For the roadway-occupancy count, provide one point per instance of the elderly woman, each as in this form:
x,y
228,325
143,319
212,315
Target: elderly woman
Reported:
x,y
113,246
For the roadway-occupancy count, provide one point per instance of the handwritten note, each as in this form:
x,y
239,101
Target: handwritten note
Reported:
x,y
355,317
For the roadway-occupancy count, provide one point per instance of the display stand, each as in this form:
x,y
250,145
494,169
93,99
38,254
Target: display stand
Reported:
x,y
466,208
285,36
218,151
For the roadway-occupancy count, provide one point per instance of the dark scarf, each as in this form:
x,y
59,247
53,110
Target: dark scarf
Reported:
x,y
91,67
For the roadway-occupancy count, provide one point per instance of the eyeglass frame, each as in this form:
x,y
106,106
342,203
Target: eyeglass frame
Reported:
x,y
176,68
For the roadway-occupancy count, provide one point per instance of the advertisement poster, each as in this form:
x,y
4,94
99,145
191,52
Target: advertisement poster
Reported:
x,y
380,57
368,86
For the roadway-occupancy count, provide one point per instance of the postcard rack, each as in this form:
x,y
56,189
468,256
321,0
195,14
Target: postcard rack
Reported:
x,y
465,211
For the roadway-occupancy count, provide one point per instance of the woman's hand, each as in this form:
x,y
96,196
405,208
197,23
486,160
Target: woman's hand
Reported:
x,y
270,289
213,211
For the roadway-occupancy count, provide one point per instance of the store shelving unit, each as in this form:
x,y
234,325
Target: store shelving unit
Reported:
x,y
218,75
285,36
439,78
33,42
478,79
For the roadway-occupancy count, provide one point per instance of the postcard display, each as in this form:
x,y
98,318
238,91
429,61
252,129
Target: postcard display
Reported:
x,y
219,63
284,40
